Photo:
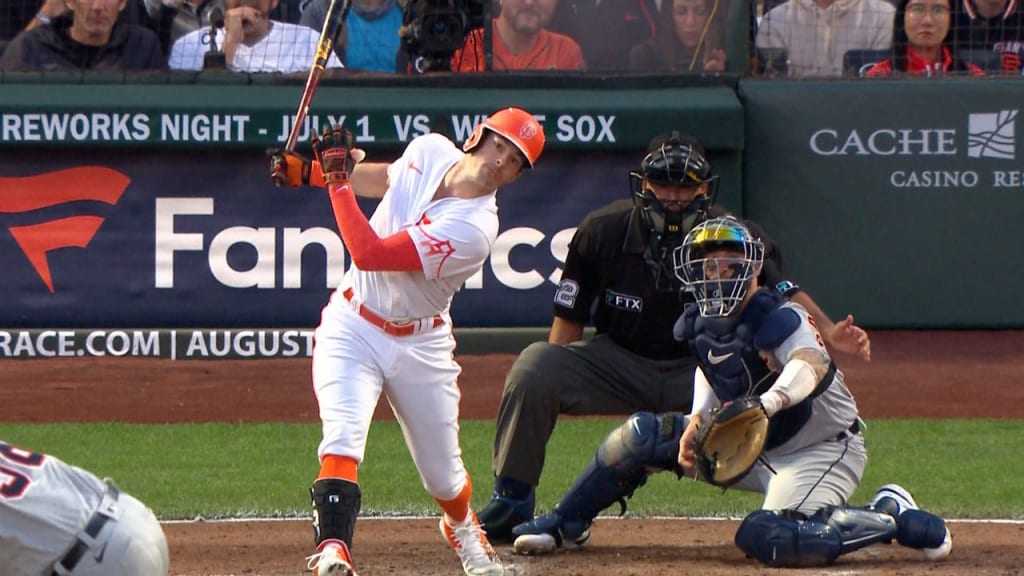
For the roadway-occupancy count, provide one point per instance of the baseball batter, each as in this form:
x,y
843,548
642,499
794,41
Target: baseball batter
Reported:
x,y
752,342
60,520
387,328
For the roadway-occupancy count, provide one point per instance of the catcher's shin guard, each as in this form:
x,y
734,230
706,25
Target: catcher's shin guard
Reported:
x,y
644,444
790,539
336,504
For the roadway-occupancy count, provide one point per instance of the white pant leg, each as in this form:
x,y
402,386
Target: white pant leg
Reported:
x,y
132,545
424,393
347,379
825,474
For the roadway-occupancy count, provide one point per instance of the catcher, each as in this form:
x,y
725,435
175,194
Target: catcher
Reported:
x,y
771,414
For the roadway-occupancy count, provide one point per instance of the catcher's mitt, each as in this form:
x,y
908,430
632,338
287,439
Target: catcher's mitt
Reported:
x,y
729,441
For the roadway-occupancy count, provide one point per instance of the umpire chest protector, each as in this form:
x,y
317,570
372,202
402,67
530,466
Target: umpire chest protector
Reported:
x,y
728,352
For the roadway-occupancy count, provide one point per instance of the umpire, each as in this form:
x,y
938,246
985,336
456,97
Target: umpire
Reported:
x,y
618,274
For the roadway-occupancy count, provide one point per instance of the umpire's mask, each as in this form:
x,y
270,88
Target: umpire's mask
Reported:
x,y
672,159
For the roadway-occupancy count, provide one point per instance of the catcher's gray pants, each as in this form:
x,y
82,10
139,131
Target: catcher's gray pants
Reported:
x,y
589,377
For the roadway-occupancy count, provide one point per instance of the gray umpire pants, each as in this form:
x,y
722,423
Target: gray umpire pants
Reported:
x,y
589,377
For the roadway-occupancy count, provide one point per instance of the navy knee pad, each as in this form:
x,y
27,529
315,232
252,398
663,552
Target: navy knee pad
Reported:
x,y
647,440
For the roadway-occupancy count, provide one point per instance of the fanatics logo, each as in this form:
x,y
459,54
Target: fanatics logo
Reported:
x,y
30,193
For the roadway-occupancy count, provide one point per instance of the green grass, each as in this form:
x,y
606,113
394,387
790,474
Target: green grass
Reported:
x,y
956,468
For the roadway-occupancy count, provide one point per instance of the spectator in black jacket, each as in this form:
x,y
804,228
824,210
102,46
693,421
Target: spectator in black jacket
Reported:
x,y
992,26
88,37
606,29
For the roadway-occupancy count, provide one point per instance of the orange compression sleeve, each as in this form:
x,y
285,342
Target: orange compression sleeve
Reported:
x,y
369,251
316,175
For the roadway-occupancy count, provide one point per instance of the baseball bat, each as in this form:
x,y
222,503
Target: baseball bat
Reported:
x,y
336,13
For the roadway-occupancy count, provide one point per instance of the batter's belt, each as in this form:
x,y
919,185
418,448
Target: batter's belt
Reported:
x,y
404,328
86,539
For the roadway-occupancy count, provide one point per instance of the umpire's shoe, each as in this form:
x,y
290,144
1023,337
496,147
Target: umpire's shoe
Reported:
x,y
548,533
916,528
502,514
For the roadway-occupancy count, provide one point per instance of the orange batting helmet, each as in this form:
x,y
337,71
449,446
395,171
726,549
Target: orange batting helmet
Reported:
x,y
515,124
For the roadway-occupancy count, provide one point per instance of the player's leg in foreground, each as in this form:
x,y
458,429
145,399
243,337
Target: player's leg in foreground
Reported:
x,y
790,539
425,396
643,443
467,538
336,504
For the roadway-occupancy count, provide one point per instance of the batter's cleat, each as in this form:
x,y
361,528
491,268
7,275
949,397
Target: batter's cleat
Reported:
x,y
548,533
916,528
469,541
332,559
502,514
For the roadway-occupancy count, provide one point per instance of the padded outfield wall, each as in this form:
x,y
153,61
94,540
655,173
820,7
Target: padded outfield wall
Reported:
x,y
899,201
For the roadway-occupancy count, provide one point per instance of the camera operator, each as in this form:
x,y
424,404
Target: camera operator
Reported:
x,y
433,30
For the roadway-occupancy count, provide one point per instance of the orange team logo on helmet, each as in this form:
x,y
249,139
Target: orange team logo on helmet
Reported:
x,y
517,126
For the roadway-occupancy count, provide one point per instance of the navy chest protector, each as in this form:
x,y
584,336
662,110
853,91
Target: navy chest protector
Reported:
x,y
728,351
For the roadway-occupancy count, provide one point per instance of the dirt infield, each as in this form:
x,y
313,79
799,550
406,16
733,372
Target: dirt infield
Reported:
x,y
913,374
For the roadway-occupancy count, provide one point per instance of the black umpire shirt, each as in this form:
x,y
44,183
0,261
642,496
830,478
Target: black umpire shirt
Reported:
x,y
605,272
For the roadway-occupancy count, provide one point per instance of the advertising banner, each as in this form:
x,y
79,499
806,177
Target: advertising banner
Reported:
x,y
897,201
225,116
197,239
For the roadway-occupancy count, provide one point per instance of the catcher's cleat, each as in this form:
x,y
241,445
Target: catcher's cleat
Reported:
x,y
502,514
917,529
893,499
331,559
470,542
549,532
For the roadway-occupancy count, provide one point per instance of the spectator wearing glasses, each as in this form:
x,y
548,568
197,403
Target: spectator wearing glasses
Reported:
x,y
921,40
816,34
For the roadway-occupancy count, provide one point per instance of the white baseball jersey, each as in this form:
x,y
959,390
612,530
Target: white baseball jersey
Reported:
x,y
285,48
44,506
822,464
355,361
453,235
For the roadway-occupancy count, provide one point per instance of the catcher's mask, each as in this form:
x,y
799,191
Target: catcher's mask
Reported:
x,y
517,126
717,261
672,159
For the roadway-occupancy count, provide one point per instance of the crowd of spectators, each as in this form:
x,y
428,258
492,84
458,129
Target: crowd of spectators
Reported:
x,y
794,38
